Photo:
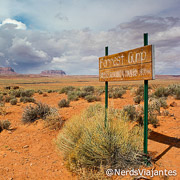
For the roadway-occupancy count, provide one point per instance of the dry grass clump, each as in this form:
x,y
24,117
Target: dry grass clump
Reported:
x,y
67,89
13,101
32,113
116,93
136,113
86,143
4,124
137,99
92,98
22,93
43,111
73,96
53,120
27,99
63,103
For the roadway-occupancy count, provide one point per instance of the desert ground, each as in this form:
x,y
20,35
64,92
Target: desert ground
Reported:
x,y
28,151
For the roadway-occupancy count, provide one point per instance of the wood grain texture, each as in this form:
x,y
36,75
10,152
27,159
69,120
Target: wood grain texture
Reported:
x,y
136,64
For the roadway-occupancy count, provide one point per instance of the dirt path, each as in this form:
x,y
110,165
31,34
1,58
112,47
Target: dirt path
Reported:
x,y
29,152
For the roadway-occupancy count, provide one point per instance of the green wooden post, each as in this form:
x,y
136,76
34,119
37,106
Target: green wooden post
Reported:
x,y
106,93
145,105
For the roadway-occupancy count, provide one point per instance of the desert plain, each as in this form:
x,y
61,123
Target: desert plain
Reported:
x,y
28,151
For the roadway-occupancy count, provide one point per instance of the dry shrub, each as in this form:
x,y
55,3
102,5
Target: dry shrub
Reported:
x,y
13,101
67,89
137,99
86,143
32,113
136,113
4,124
27,99
73,96
116,93
63,103
92,98
3,111
89,89
53,121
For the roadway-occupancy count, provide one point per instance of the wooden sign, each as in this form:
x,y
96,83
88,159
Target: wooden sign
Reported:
x,y
135,64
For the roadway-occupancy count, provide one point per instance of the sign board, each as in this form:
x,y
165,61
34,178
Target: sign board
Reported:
x,y
135,64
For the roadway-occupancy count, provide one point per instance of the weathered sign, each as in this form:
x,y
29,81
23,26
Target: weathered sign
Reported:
x,y
135,64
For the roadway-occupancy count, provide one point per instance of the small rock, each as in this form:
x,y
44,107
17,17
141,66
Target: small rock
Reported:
x,y
173,104
9,132
26,146
171,115
31,164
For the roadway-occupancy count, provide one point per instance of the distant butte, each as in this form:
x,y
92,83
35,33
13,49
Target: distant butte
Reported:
x,y
53,73
7,71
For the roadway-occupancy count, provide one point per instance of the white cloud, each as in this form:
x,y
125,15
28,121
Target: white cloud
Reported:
x,y
59,59
90,58
19,25
77,51
24,49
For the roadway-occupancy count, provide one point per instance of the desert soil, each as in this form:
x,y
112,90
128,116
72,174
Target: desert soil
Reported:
x,y
29,151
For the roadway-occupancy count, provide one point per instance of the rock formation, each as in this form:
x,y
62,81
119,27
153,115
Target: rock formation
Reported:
x,y
7,71
53,73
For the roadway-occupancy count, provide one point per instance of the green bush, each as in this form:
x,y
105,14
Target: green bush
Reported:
x,y
21,93
92,98
8,98
15,93
27,93
67,89
163,103
40,92
4,124
100,91
140,91
177,94
89,89
63,103
32,113
13,101
27,99
130,111
116,93
73,96
137,99
82,94
86,143
152,119
49,91
162,92
173,88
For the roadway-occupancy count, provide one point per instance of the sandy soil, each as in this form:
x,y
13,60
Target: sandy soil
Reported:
x,y
29,151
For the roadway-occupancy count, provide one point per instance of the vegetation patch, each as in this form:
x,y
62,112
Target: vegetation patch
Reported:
x,y
27,99
63,103
13,101
116,93
86,143
32,113
4,124
73,96
53,121
66,89
92,98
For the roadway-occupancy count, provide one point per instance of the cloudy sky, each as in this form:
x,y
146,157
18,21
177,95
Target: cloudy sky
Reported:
x,y
37,35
